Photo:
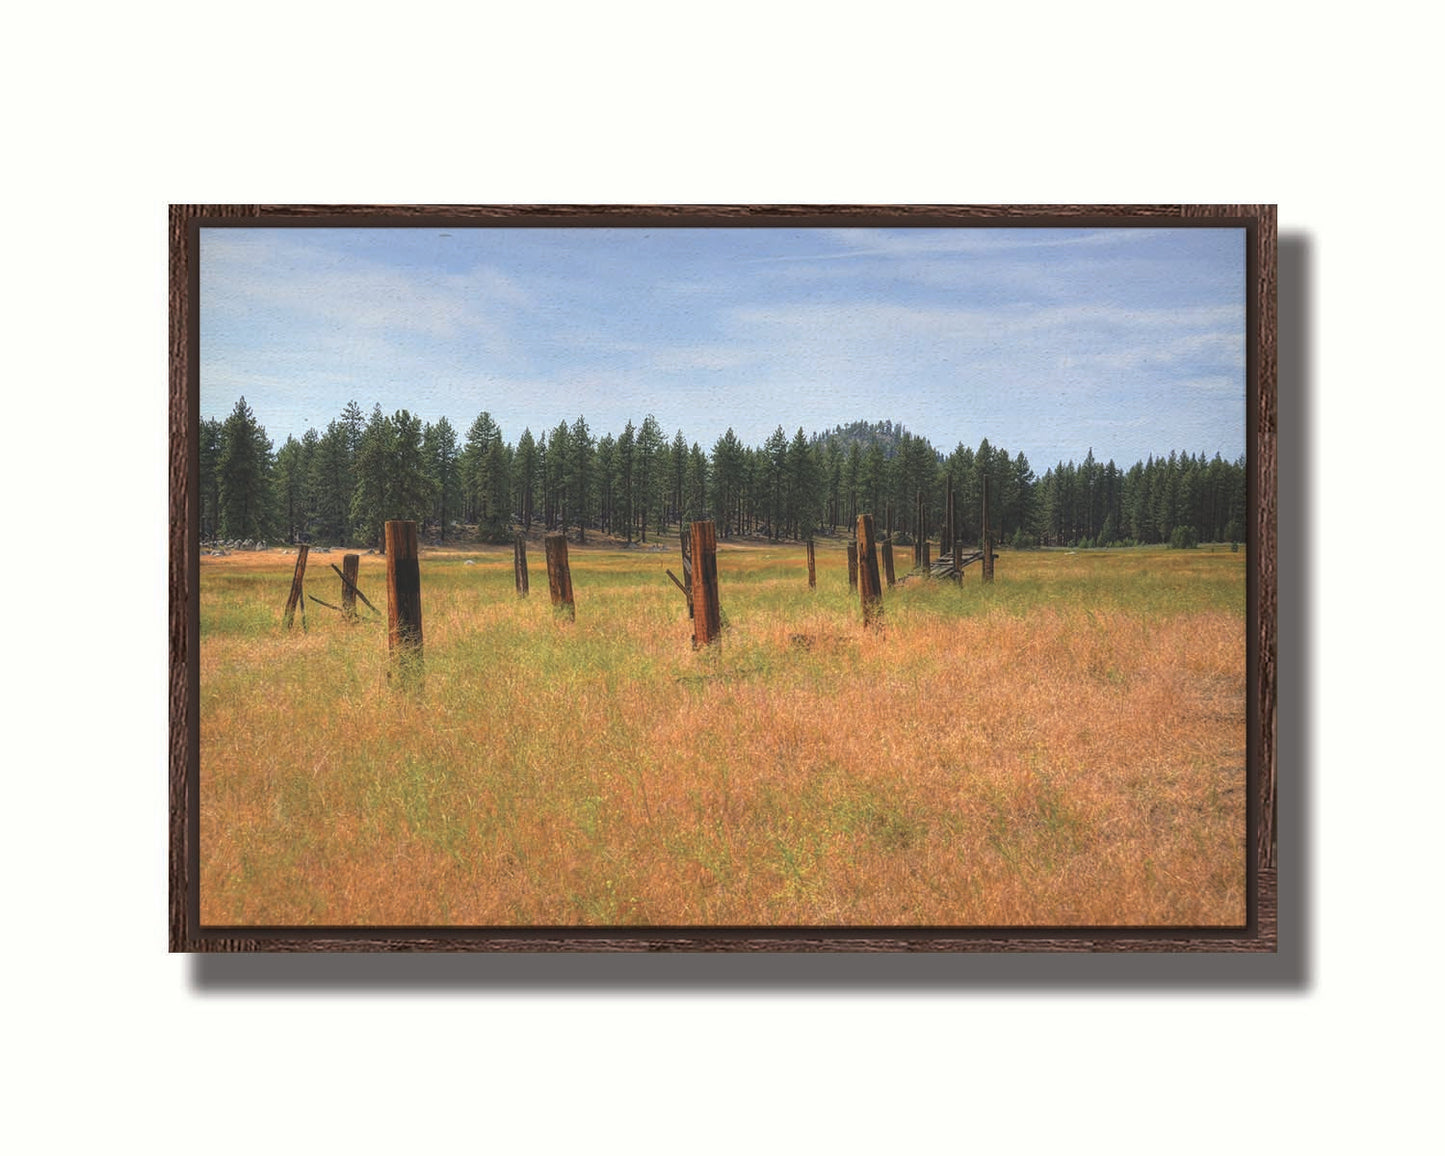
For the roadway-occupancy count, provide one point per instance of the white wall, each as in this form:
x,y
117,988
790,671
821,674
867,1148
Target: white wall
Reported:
x,y
117,114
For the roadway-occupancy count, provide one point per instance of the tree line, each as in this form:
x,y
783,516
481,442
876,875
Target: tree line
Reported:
x,y
339,486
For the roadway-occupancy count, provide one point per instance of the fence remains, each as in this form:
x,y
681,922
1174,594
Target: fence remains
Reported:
x,y
289,615
350,569
870,589
812,572
350,584
519,565
559,575
403,600
853,565
707,613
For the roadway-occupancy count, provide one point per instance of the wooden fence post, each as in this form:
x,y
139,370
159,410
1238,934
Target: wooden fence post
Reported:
x,y
403,599
853,565
870,590
707,613
519,564
886,549
926,563
295,596
559,574
350,571
812,573
987,537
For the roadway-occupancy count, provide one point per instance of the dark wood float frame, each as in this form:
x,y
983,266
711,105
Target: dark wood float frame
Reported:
x,y
1260,930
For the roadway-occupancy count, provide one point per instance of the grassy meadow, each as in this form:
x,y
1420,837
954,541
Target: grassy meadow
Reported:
x,y
1064,747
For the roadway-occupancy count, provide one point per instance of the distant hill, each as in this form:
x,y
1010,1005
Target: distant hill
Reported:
x,y
865,434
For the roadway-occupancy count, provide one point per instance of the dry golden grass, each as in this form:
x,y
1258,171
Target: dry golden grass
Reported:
x,y
1066,747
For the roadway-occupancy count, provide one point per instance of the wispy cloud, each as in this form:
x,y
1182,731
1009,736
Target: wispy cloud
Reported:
x,y
1027,335
854,244
244,275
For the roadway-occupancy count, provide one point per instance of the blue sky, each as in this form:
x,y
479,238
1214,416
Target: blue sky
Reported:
x,y
1049,341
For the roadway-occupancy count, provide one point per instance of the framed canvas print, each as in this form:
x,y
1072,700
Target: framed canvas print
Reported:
x,y
763,578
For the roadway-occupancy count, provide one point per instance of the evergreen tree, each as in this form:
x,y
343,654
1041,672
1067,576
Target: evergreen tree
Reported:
x,y
626,464
875,472
852,484
833,481
331,486
372,499
647,474
677,465
580,468
557,470
804,487
439,448
606,483
288,478
472,464
774,464
1025,511
243,471
727,472
497,475
353,422
524,477
695,507
212,433
411,487
310,447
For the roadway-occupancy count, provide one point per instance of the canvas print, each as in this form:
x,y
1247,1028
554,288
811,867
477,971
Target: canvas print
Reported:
x,y
734,577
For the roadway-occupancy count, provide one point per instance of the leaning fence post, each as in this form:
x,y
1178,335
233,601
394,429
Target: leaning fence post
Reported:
x,y
853,565
559,575
403,599
295,596
350,571
886,549
812,573
706,612
870,590
519,564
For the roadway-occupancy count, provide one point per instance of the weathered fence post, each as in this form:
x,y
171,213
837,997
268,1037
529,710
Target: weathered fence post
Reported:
x,y
870,590
350,571
403,599
853,565
295,596
886,549
812,572
559,574
350,583
706,611
987,537
926,563
519,564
